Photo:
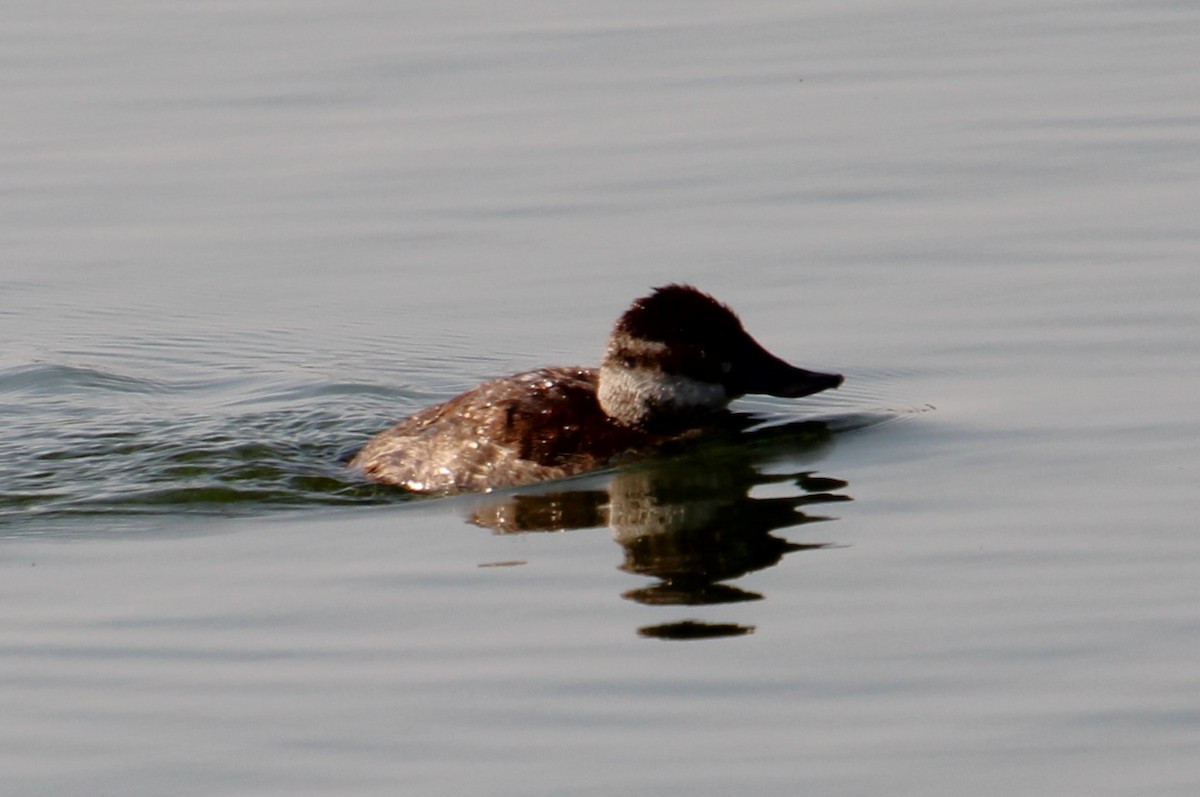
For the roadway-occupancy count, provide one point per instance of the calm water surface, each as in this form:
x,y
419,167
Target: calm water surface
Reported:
x,y
236,241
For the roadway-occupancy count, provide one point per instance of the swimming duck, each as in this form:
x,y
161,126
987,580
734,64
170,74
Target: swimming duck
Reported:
x,y
674,361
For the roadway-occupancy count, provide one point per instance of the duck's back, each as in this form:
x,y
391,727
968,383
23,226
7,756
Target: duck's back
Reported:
x,y
531,427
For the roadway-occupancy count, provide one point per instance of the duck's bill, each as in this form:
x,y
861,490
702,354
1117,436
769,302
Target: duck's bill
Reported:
x,y
767,374
799,382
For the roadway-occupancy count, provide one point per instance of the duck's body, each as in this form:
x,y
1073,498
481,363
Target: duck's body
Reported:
x,y
521,429
674,360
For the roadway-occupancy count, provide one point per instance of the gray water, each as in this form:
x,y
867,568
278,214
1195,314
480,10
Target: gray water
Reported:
x,y
237,239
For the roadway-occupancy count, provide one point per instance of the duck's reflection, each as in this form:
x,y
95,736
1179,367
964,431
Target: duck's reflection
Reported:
x,y
689,521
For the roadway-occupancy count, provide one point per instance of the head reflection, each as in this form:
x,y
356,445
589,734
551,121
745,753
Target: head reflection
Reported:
x,y
688,522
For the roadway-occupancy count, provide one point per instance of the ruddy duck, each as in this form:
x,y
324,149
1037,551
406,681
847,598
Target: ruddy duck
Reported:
x,y
675,359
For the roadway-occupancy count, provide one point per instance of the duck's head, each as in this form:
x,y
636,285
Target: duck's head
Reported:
x,y
678,355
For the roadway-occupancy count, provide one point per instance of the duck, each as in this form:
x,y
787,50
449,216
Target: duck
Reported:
x,y
674,361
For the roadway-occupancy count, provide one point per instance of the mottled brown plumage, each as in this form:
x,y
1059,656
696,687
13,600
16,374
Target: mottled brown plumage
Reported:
x,y
527,428
673,360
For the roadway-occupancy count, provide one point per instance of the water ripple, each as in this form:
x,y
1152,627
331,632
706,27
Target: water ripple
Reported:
x,y
51,379
84,442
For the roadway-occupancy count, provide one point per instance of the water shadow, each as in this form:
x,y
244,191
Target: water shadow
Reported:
x,y
689,521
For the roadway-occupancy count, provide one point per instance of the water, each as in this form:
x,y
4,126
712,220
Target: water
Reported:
x,y
239,240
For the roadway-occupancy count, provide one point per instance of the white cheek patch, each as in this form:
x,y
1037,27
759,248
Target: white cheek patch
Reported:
x,y
637,395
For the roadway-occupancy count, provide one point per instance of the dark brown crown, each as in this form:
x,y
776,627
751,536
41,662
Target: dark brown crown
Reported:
x,y
677,329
